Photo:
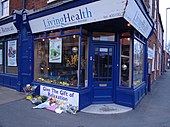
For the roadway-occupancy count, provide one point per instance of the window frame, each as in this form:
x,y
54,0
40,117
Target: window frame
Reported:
x,y
64,33
130,64
2,14
127,35
5,40
143,43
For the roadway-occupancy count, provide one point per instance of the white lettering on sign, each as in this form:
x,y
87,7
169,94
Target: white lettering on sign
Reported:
x,y
93,12
7,29
60,94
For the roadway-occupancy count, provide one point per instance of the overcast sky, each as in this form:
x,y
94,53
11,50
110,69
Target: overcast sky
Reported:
x,y
163,4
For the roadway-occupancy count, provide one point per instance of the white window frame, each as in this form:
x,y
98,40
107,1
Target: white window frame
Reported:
x,y
155,13
150,7
2,14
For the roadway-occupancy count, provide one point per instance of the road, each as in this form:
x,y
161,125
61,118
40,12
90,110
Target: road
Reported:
x,y
153,111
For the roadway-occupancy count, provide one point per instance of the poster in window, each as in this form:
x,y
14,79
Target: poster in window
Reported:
x,y
0,56
12,53
55,51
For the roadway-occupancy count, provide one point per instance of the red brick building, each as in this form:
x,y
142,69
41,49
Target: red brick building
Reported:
x,y
155,45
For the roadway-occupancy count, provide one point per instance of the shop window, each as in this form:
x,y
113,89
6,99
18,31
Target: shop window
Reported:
x,y
84,59
1,57
125,34
99,36
11,57
71,31
138,63
54,34
125,78
56,60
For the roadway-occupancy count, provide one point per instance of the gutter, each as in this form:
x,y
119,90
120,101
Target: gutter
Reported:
x,y
23,4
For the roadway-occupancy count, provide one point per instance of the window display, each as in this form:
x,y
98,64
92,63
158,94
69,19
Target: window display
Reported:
x,y
138,62
11,57
56,61
125,62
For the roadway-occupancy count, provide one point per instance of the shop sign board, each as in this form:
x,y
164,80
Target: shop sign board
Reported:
x,y
7,29
55,51
136,18
12,53
150,53
88,13
61,95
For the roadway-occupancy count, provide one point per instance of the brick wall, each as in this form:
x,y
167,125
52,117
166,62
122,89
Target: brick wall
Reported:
x,y
15,4
38,4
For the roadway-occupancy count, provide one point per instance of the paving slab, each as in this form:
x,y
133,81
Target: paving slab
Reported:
x,y
7,95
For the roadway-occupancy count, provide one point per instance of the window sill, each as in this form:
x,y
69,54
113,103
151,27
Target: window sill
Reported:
x,y
1,17
50,1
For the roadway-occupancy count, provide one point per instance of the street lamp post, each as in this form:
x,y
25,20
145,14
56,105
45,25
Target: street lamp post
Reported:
x,y
166,24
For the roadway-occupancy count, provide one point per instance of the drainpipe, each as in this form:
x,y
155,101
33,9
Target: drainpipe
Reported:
x,y
23,4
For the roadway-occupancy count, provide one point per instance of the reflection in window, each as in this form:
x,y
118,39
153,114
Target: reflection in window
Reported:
x,y
138,62
125,62
102,65
56,60
1,57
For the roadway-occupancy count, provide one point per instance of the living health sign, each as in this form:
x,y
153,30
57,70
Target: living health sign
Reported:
x,y
60,94
88,13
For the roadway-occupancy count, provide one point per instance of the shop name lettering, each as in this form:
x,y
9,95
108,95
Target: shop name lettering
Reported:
x,y
6,29
67,19
58,94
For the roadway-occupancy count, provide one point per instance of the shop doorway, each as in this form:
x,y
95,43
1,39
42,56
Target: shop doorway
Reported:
x,y
103,65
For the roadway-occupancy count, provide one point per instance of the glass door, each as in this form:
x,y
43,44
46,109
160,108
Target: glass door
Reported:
x,y
103,65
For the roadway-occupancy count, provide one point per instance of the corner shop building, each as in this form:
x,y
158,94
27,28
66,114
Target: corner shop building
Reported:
x,y
81,52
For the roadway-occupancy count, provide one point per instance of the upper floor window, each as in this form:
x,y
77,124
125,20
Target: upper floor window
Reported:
x,y
155,10
150,7
4,8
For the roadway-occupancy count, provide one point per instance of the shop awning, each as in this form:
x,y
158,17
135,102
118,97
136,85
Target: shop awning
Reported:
x,y
94,12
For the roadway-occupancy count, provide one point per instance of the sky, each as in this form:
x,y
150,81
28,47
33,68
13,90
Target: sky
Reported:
x,y
163,4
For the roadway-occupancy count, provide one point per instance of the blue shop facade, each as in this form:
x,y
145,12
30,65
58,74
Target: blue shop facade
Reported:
x,y
82,52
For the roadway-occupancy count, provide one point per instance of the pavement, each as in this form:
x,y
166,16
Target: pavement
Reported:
x,y
9,95
153,111
106,109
